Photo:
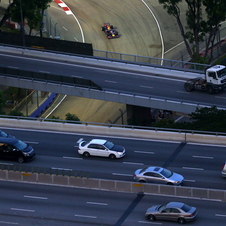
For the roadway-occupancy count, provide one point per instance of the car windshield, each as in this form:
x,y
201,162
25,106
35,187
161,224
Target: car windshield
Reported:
x,y
166,173
185,208
161,207
221,73
20,145
143,170
3,134
109,145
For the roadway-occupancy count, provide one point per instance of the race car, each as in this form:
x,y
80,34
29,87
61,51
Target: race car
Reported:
x,y
110,31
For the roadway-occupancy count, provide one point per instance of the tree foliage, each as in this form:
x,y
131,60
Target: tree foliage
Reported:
x,y
31,12
197,26
203,119
72,117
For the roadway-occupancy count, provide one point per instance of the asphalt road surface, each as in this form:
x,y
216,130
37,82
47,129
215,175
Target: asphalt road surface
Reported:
x,y
200,164
40,205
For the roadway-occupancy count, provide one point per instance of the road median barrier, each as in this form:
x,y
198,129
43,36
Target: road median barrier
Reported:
x,y
111,185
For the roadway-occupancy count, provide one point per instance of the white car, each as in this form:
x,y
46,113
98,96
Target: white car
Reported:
x,y
99,147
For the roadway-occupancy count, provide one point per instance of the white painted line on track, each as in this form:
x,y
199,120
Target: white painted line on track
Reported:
x,y
65,157
75,39
202,157
145,152
220,215
97,203
34,197
134,163
148,87
146,222
56,106
160,32
47,72
85,216
110,81
3,163
26,210
179,118
190,180
5,222
121,174
65,28
190,168
61,168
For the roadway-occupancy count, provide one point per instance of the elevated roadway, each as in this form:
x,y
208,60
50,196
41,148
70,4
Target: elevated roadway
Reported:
x,y
130,84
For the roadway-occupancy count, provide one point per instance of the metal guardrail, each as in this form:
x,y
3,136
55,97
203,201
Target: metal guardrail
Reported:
x,y
156,129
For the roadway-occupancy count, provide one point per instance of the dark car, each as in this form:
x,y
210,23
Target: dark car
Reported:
x,y
110,31
3,134
173,211
14,149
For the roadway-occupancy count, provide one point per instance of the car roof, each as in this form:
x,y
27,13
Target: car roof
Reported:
x,y
153,169
97,141
8,140
175,204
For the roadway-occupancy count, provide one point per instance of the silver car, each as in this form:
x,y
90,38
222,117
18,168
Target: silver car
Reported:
x,y
159,175
173,211
223,172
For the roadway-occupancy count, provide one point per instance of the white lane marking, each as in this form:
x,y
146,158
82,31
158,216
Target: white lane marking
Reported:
x,y
2,163
146,222
202,157
160,32
5,222
65,157
26,210
110,81
174,47
134,163
220,97
148,87
189,168
145,152
121,174
97,203
85,216
184,92
220,215
13,67
65,28
61,168
212,145
47,72
34,197
80,140
190,180
75,39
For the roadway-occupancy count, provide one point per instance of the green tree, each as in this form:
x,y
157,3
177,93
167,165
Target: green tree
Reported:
x,y
196,26
16,113
72,117
32,12
2,103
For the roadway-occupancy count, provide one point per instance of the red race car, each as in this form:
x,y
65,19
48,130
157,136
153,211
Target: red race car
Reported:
x,y
110,31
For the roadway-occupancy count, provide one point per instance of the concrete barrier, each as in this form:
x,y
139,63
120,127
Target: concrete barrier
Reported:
x,y
113,131
110,185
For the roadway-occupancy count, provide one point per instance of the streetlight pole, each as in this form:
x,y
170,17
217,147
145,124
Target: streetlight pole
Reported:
x,y
22,23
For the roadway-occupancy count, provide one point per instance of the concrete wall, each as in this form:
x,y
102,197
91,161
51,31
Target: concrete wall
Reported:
x,y
118,186
113,131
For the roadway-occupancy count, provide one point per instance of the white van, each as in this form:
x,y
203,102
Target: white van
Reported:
x,y
223,172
